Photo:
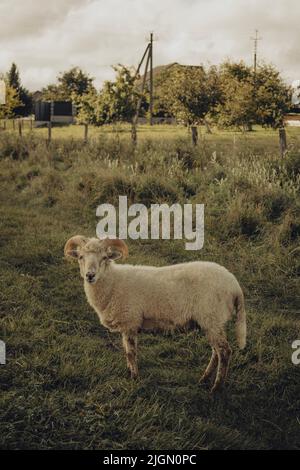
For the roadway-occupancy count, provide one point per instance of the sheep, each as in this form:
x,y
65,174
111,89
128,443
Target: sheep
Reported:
x,y
129,299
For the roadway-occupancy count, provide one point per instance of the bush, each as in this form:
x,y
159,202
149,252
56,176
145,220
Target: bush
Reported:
x,y
292,164
289,230
108,189
275,204
244,218
13,147
154,191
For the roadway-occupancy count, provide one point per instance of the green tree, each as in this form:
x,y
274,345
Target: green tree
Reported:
x,y
188,93
252,98
117,100
74,82
86,107
53,92
237,106
273,98
13,101
71,85
25,97
13,77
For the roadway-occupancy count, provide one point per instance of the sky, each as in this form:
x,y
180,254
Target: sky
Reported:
x,y
46,37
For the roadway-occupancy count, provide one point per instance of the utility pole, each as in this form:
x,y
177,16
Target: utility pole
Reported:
x,y
136,116
151,78
255,40
149,64
142,60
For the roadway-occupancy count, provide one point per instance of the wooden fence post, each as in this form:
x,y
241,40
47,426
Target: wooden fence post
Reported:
x,y
20,127
86,130
194,130
13,123
49,125
133,134
282,141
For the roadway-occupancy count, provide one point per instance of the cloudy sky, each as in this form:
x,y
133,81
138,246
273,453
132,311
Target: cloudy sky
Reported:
x,y
45,37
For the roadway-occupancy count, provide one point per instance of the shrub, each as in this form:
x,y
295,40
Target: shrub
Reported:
x,y
292,164
13,147
275,204
154,191
243,218
187,155
289,230
108,189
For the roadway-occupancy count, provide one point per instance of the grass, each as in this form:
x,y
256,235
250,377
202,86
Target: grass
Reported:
x,y
65,384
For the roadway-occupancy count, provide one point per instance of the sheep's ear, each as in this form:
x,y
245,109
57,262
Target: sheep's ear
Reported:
x,y
113,253
115,248
72,245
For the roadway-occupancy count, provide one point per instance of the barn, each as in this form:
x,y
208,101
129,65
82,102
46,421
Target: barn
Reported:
x,y
60,112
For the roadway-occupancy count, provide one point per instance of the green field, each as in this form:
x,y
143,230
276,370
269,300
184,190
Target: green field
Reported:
x,y
65,384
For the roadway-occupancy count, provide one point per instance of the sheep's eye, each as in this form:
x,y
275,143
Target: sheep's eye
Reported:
x,y
80,257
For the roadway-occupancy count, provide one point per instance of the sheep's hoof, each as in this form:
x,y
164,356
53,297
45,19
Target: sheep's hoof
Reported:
x,y
216,388
134,375
204,379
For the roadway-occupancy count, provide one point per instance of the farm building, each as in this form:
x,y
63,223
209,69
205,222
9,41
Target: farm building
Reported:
x,y
54,111
292,119
2,91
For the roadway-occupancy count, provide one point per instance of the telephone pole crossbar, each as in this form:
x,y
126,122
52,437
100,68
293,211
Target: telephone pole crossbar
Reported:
x,y
255,39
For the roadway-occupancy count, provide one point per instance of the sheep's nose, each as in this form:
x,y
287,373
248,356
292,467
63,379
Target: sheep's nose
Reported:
x,y
90,277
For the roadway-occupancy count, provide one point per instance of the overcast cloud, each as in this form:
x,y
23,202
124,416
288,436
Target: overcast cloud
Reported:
x,y
46,37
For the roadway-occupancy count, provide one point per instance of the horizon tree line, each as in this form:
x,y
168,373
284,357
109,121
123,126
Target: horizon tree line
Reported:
x,y
229,95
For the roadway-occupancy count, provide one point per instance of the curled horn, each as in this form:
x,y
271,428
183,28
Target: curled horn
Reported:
x,y
116,244
72,245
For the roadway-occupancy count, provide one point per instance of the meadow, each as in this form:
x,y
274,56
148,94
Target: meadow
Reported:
x,y
65,384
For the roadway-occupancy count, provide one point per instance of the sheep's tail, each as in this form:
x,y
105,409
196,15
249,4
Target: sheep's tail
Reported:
x,y
240,326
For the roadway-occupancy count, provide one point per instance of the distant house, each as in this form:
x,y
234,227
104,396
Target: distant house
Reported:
x,y
2,91
296,93
54,111
292,119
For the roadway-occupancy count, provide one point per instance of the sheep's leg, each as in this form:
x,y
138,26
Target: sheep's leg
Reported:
x,y
224,354
130,346
213,364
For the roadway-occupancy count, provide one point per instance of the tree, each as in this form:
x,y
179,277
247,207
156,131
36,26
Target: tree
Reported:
x,y
273,98
117,100
71,85
25,98
76,86
250,97
237,105
12,101
86,107
13,77
74,82
188,93
52,93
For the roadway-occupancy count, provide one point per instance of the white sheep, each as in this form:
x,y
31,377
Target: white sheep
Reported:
x,y
129,299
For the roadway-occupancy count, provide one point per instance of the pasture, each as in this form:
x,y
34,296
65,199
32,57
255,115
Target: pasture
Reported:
x,y
65,384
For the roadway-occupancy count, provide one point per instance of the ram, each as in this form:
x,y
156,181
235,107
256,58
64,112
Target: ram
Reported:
x,y
129,299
